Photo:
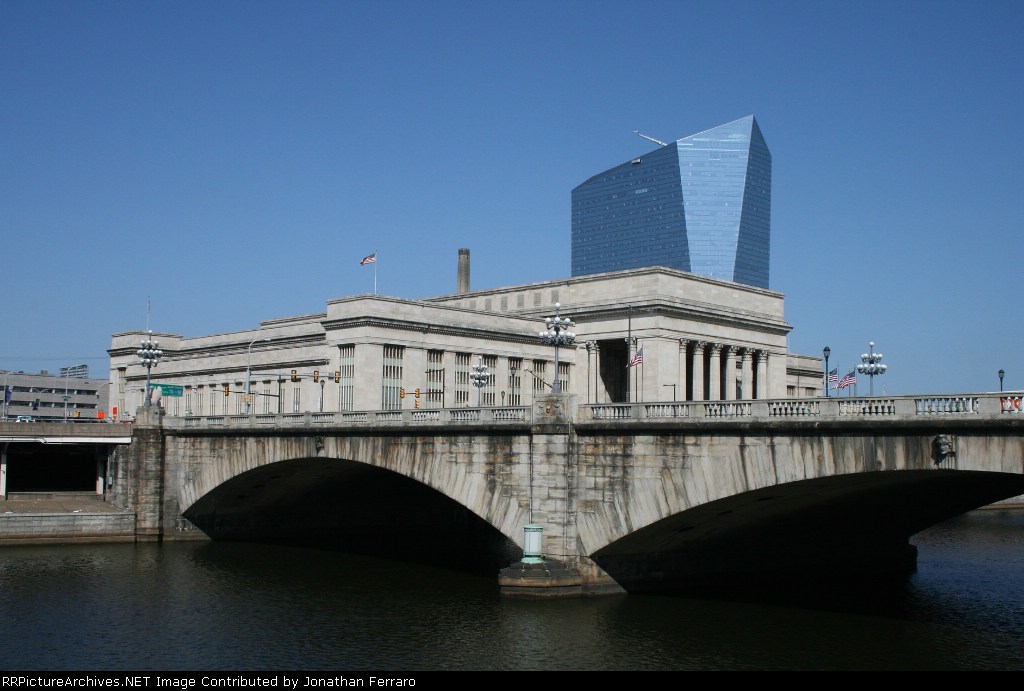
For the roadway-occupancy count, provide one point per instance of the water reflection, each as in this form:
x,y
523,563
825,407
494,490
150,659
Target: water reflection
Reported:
x,y
223,606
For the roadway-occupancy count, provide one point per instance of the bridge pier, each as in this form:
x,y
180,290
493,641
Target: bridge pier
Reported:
x,y
141,482
554,495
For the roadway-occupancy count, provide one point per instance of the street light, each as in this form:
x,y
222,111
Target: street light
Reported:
x,y
149,355
871,367
6,398
826,351
557,334
67,375
248,372
1001,374
479,377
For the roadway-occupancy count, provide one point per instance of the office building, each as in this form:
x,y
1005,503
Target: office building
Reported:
x,y
70,396
700,204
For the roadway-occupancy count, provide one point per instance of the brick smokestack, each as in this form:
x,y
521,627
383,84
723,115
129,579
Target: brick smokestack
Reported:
x,y
463,286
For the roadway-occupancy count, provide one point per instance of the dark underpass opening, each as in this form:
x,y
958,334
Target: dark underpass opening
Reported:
x,y
34,467
354,508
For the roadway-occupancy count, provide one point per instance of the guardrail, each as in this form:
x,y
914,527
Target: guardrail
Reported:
x,y
896,407
397,418
845,408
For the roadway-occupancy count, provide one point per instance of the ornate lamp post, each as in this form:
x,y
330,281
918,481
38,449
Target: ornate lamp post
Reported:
x,y
826,351
557,334
149,355
1001,375
479,377
871,367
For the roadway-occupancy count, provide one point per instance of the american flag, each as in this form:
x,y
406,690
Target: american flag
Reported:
x,y
847,381
637,359
369,259
833,376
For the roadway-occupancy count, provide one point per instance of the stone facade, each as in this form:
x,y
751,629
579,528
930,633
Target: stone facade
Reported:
x,y
700,339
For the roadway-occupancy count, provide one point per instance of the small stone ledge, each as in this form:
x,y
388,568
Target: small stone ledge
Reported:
x,y
546,578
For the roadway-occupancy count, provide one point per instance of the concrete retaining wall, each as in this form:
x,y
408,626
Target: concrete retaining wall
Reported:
x,y
36,528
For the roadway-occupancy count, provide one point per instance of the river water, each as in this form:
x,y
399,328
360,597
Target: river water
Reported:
x,y
244,607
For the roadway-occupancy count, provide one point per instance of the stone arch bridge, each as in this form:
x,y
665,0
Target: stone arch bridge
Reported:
x,y
587,499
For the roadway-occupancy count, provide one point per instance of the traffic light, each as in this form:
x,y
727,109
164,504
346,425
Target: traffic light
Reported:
x,y
295,375
401,392
337,376
417,403
316,375
417,396
227,389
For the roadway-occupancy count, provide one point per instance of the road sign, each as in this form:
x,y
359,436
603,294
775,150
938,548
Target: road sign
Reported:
x,y
168,389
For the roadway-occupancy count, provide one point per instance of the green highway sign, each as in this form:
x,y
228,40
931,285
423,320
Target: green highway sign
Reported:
x,y
168,389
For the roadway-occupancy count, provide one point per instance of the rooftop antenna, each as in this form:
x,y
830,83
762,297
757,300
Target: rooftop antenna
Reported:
x,y
656,141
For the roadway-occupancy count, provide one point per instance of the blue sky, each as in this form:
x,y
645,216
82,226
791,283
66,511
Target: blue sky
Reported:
x,y
230,162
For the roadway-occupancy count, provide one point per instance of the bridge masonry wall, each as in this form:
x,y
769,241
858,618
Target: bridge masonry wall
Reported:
x,y
586,484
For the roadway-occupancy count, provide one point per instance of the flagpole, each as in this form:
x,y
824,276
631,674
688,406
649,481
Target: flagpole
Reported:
x,y
375,272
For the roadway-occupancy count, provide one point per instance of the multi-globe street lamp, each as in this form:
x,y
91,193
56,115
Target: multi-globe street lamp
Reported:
x,y
870,365
557,334
479,377
149,355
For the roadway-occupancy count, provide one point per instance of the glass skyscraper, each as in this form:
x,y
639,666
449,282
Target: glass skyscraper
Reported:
x,y
700,204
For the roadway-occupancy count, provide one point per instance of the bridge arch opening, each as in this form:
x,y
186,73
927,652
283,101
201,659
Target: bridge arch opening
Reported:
x,y
349,506
844,534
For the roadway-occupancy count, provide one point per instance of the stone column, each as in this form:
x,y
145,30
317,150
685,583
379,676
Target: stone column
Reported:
x,y
747,373
762,374
683,363
698,371
593,369
715,372
730,373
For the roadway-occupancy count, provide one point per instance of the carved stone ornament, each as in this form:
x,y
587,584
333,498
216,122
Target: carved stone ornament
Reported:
x,y
943,448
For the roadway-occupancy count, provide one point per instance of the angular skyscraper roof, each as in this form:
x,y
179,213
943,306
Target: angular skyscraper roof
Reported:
x,y
700,204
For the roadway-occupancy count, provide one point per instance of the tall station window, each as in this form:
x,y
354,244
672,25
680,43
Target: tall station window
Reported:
x,y
435,379
515,381
347,370
391,379
563,376
488,395
540,369
463,367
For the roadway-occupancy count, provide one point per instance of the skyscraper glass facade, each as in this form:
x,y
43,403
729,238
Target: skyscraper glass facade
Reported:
x,y
700,204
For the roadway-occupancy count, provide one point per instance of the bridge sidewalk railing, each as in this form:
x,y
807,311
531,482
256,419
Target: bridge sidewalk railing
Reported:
x,y
811,408
490,415
836,408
